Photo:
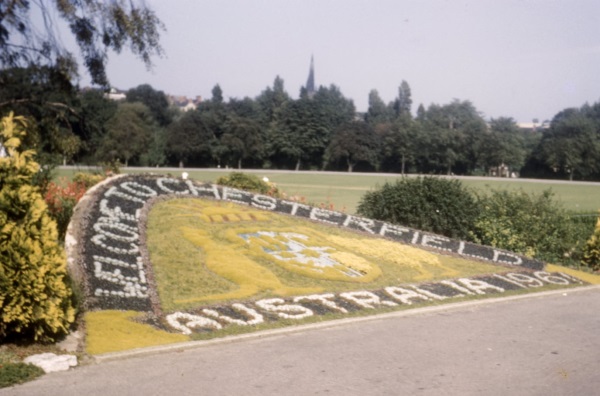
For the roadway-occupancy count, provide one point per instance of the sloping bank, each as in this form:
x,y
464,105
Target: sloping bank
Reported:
x,y
108,255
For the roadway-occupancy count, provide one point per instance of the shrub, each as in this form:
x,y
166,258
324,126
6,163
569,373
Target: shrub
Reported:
x,y
248,182
583,227
442,206
17,373
591,251
62,197
35,302
111,167
61,201
88,179
533,225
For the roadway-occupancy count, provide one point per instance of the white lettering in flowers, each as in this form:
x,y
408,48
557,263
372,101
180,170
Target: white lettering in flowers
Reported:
x,y
362,223
210,190
139,190
366,299
191,322
323,215
428,293
479,286
116,212
547,277
286,311
235,195
264,202
115,234
326,300
403,295
295,206
393,229
132,286
362,299
254,317
435,241
164,182
105,225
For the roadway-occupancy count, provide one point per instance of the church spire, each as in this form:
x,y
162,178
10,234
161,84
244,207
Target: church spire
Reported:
x,y
310,83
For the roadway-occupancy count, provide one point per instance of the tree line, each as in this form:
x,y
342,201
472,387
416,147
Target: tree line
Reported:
x,y
320,131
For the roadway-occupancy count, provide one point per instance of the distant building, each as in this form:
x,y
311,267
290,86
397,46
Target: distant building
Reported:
x,y
534,126
115,94
184,103
501,171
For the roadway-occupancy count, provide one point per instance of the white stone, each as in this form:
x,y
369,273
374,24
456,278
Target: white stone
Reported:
x,y
50,362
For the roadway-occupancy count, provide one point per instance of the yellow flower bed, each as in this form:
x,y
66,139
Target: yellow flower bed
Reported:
x,y
584,276
113,331
204,251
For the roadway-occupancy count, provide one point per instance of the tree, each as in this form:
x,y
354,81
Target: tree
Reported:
x,y
571,146
35,301
155,100
94,113
44,96
334,107
97,26
399,141
455,131
271,103
245,108
421,113
403,102
302,133
156,152
378,112
129,133
353,142
504,144
214,113
242,140
217,94
272,100
189,140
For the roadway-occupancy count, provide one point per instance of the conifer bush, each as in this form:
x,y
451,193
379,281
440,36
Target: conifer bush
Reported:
x,y
35,301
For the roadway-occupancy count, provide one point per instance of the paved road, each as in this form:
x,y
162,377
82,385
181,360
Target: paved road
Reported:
x,y
542,345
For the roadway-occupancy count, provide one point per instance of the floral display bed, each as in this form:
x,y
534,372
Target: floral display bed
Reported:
x,y
242,243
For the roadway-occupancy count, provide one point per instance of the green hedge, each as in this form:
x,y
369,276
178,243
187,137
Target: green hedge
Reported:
x,y
531,224
442,206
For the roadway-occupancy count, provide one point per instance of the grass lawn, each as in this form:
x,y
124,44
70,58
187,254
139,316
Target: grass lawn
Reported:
x,y
344,190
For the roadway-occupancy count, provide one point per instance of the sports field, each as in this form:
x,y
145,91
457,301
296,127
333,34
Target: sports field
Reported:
x,y
344,190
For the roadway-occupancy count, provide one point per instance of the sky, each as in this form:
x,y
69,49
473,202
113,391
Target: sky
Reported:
x,y
523,59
